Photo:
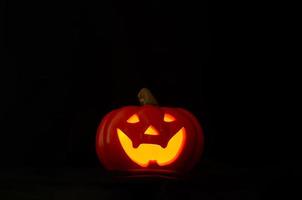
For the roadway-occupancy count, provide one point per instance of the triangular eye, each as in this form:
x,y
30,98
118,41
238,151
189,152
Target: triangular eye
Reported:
x,y
133,119
169,118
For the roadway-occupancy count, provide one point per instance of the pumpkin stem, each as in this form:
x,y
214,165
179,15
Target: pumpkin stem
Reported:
x,y
145,97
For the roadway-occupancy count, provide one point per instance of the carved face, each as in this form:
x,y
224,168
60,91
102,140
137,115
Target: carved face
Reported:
x,y
162,154
149,137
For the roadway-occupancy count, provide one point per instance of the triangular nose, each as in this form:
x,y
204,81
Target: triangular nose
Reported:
x,y
151,131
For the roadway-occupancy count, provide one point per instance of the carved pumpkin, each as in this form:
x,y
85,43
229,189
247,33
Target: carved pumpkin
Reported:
x,y
149,138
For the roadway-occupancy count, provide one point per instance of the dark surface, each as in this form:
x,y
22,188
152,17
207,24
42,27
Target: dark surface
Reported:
x,y
212,182
64,65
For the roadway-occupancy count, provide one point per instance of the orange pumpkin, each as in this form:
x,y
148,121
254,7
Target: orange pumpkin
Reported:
x,y
149,139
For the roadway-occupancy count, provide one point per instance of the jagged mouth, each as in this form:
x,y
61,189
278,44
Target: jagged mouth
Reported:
x,y
146,153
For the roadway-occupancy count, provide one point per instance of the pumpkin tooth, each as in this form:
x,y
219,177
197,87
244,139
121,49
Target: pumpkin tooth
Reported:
x,y
163,145
135,145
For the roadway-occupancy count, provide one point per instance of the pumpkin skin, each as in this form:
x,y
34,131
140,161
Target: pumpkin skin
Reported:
x,y
114,157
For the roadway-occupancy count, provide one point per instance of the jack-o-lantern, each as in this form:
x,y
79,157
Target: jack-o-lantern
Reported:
x,y
149,138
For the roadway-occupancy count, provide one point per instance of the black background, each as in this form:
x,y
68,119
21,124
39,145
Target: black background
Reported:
x,y
64,65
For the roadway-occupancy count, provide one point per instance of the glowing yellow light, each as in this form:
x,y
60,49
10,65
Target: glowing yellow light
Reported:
x,y
169,118
145,153
133,119
151,131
